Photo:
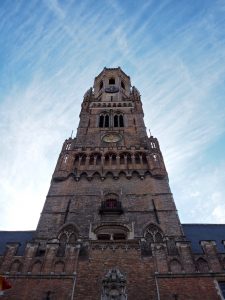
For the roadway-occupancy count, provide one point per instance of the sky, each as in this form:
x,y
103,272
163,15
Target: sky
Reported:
x,y
174,52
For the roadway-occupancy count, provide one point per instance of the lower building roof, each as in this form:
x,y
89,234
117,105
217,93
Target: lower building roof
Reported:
x,y
195,233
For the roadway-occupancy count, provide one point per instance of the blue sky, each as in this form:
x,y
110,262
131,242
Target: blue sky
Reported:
x,y
174,52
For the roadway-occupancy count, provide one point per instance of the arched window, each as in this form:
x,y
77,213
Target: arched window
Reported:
x,y
113,159
104,120
67,235
116,123
98,159
112,80
107,121
129,159
153,234
137,158
121,121
92,160
122,85
118,120
144,159
101,121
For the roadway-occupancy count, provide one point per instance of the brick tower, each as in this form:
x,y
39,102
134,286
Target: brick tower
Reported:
x,y
109,228
110,190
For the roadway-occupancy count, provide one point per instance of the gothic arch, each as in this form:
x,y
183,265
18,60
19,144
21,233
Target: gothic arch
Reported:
x,y
147,173
59,266
109,175
123,174
110,157
135,174
16,266
96,175
68,226
202,265
83,175
175,266
153,233
68,234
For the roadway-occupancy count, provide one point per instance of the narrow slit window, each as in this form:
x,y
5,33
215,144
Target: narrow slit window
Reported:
x,y
121,121
106,121
101,121
116,121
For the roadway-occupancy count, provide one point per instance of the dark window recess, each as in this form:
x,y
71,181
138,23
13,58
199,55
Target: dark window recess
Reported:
x,y
116,121
104,237
121,121
111,206
101,121
101,85
222,287
119,236
40,252
112,81
106,121
122,85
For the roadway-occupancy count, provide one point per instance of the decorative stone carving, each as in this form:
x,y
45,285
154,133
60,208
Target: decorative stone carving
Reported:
x,y
114,286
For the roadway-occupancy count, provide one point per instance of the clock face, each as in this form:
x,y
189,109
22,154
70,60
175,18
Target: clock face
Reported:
x,y
111,138
111,89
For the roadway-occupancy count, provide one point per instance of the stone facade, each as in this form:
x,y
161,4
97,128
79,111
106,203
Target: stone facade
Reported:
x,y
109,228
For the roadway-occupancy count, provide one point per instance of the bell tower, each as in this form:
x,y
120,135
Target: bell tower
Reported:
x,y
110,189
109,228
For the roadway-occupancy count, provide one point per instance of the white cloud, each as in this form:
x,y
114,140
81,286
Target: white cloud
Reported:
x,y
52,58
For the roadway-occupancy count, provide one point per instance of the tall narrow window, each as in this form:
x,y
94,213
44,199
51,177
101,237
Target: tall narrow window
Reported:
x,y
122,85
107,121
101,121
121,121
116,121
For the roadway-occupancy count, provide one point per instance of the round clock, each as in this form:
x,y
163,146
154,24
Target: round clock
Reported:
x,y
111,138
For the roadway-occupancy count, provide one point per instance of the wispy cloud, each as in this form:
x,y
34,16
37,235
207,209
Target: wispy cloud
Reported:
x,y
51,52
